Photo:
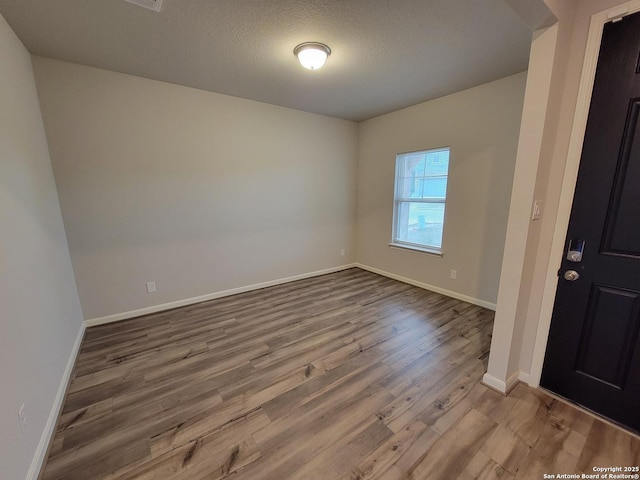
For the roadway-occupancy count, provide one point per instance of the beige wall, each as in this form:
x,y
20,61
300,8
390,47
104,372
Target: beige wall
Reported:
x,y
547,188
197,191
40,313
535,108
481,126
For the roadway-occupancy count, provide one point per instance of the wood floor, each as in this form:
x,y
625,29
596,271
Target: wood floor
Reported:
x,y
345,376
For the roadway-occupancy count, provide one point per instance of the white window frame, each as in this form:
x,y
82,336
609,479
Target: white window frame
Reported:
x,y
395,241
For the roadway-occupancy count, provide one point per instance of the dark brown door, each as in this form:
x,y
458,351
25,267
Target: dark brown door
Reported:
x,y
593,353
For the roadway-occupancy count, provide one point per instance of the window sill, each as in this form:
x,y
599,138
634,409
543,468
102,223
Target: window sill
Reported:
x,y
416,248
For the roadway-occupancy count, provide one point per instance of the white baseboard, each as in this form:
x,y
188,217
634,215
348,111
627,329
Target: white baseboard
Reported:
x,y
47,435
501,386
526,378
432,288
210,296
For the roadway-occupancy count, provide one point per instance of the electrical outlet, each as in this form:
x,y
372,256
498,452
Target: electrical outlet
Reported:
x,y
342,252
151,287
454,274
536,211
22,416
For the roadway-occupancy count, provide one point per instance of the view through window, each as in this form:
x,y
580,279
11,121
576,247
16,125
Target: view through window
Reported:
x,y
420,196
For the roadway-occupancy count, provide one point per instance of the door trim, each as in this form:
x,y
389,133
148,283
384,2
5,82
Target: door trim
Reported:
x,y
570,178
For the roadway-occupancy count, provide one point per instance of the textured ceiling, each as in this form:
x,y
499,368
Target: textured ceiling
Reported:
x,y
386,54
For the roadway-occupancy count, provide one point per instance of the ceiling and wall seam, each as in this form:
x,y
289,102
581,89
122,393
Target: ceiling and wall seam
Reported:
x,y
383,58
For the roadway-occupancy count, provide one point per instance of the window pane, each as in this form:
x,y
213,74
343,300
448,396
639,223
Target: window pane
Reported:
x,y
414,164
437,162
420,223
421,176
422,187
435,187
410,187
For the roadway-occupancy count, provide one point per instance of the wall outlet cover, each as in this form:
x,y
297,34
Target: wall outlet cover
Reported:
x,y
154,5
537,210
22,416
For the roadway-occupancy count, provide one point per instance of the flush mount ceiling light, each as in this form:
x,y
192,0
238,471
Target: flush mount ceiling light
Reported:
x,y
312,55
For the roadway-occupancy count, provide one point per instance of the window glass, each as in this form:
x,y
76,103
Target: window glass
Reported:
x,y
420,198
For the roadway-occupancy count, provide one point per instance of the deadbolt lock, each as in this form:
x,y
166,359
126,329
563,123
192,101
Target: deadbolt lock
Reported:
x,y
571,275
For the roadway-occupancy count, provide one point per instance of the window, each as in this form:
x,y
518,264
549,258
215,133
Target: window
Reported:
x,y
419,200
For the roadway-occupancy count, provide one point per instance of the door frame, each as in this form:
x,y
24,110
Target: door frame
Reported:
x,y
570,177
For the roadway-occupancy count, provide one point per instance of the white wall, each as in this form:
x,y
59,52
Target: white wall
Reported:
x,y
40,313
481,126
197,191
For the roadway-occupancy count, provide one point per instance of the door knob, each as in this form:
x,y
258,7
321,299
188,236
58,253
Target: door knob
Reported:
x,y
571,275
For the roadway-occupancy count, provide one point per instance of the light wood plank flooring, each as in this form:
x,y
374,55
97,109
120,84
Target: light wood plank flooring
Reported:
x,y
345,376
